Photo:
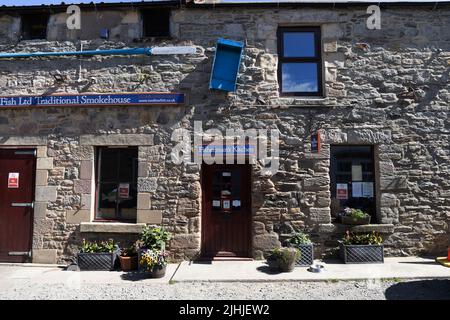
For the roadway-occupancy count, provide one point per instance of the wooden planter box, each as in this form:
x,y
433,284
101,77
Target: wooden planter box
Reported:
x,y
306,255
370,253
97,261
355,221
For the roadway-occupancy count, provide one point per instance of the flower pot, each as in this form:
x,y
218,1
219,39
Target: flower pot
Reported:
x,y
368,253
97,261
286,267
128,263
355,221
306,255
272,263
158,272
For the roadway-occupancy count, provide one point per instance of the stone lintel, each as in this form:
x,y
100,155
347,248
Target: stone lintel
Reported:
x,y
117,140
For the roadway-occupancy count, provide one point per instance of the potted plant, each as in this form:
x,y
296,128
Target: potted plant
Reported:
x,y
128,259
98,256
354,216
361,248
154,262
283,259
152,238
302,242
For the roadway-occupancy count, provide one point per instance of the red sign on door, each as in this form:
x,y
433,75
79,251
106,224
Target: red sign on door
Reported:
x,y
13,180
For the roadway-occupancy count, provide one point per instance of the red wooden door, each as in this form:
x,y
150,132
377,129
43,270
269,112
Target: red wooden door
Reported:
x,y
226,210
17,170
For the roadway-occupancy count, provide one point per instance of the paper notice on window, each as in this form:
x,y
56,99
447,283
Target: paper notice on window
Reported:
x,y
216,203
226,174
357,172
357,189
236,203
367,190
124,190
341,191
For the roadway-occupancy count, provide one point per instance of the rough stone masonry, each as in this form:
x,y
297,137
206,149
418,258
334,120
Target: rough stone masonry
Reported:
x,y
388,88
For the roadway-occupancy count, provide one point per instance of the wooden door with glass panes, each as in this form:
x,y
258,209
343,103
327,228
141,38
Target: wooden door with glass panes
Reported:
x,y
226,210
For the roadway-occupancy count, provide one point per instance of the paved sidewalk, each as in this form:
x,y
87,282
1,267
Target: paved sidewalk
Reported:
x,y
229,271
397,278
393,268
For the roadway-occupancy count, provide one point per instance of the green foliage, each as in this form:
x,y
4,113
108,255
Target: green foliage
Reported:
x,y
363,239
154,238
285,256
299,238
128,252
102,247
354,213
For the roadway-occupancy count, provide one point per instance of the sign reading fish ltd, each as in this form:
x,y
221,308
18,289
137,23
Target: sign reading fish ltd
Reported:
x,y
94,99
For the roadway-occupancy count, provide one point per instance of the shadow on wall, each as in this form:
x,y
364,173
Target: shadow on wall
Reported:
x,y
420,290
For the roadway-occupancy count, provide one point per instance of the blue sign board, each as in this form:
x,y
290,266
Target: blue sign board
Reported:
x,y
94,99
226,150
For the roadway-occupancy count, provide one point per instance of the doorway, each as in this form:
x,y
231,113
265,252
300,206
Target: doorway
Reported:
x,y
226,210
17,179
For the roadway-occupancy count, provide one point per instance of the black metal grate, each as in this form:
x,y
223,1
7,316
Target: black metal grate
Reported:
x,y
307,255
361,253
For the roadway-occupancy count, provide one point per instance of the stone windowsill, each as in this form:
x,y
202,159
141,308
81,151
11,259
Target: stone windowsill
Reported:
x,y
304,101
342,228
111,227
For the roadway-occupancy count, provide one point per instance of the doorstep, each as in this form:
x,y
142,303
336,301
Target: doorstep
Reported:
x,y
257,271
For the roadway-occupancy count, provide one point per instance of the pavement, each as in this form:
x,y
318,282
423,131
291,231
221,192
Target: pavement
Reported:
x,y
231,271
392,268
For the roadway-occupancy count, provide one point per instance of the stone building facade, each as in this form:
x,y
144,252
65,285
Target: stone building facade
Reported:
x,y
386,88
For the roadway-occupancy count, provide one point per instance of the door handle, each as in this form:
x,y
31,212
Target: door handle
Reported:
x,y
22,204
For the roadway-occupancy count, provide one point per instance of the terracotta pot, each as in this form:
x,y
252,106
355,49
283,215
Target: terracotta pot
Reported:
x,y
128,263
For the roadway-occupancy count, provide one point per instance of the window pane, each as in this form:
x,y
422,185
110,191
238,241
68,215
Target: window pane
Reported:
x,y
109,162
107,197
128,164
299,44
117,193
300,77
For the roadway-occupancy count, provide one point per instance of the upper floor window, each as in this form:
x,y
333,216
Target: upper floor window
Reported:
x,y
34,26
299,61
156,22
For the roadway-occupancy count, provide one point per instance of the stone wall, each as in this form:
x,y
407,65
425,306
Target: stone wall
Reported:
x,y
388,88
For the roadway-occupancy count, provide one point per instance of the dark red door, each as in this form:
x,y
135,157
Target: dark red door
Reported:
x,y
226,210
17,169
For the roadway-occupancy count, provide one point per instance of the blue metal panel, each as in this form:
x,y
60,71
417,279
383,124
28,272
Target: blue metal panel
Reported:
x,y
226,65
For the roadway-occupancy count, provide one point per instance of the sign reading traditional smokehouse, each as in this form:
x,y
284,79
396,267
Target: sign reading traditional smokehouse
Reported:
x,y
77,100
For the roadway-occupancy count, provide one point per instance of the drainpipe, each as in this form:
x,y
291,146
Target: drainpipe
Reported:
x,y
108,52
